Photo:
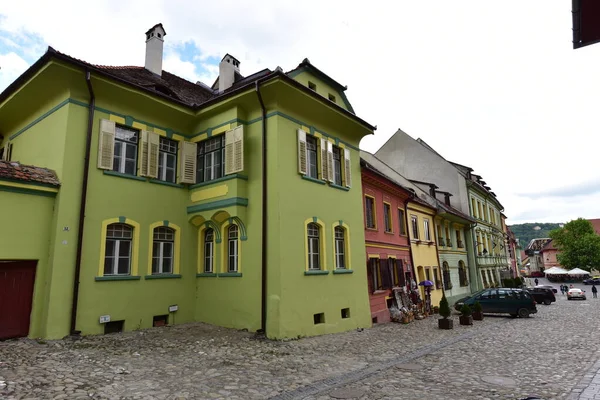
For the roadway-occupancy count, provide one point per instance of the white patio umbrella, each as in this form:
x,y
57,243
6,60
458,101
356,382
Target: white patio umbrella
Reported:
x,y
578,271
556,271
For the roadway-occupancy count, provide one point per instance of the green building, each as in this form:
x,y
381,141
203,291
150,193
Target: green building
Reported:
x,y
167,201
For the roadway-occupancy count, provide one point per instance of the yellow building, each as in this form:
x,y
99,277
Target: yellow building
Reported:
x,y
421,219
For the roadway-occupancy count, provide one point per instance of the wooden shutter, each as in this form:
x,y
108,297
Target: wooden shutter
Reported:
x,y
400,273
384,271
234,150
347,168
143,154
329,161
106,144
371,270
302,153
153,154
187,162
324,166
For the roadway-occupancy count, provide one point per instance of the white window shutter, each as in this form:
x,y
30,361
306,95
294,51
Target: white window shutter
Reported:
x,y
234,150
187,163
153,154
302,150
324,169
106,144
348,168
143,154
329,161
229,140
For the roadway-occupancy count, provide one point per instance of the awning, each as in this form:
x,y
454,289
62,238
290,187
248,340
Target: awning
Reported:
x,y
556,271
578,271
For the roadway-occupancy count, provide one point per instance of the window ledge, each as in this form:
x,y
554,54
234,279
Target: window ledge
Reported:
x,y
157,181
380,292
308,178
127,176
206,275
229,274
224,178
372,229
117,278
343,271
333,185
389,232
316,272
163,276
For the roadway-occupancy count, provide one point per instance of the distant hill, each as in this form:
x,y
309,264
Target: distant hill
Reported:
x,y
528,231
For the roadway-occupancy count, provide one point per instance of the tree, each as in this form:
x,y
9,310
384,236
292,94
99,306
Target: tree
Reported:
x,y
578,245
444,307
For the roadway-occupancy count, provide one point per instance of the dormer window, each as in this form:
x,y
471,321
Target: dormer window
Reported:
x,y
331,97
312,86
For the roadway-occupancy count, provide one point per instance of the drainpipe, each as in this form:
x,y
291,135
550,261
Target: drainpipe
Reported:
x,y
412,260
84,184
263,312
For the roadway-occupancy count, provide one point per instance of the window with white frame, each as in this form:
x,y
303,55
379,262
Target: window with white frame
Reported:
x,y
117,255
426,228
167,160
337,166
313,231
340,247
162,250
209,250
232,248
312,152
125,150
211,159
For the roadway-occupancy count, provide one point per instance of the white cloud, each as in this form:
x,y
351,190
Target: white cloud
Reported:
x,y
11,66
496,86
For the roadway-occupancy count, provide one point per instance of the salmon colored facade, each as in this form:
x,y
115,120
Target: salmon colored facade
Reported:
x,y
386,238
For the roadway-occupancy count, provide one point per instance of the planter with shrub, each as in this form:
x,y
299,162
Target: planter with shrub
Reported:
x,y
465,315
477,312
444,322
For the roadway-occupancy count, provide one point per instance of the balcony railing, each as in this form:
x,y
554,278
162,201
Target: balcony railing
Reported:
x,y
460,245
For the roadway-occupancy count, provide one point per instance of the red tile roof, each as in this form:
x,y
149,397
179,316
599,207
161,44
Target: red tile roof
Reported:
x,y
12,170
596,224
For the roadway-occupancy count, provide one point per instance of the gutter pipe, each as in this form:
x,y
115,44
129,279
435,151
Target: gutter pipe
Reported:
x,y
84,185
263,313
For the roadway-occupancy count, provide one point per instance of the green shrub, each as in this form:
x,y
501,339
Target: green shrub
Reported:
x,y
477,307
465,310
444,307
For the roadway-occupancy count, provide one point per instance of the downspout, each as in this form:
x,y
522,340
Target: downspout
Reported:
x,y
84,184
412,260
263,312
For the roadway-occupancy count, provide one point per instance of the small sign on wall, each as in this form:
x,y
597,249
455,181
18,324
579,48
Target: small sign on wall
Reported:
x,y
104,319
173,308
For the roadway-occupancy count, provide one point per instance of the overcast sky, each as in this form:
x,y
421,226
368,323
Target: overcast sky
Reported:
x,y
496,86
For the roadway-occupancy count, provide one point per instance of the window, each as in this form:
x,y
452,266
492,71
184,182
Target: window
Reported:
x,y
370,212
167,160
427,274
438,280
448,238
401,222
209,250
459,242
415,226
462,274
117,256
311,146
440,239
426,227
387,216
232,248
312,86
313,232
446,276
399,277
331,97
340,247
211,157
473,208
125,150
337,166
373,273
162,250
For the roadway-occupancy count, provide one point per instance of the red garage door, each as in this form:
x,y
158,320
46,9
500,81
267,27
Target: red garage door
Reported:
x,y
16,294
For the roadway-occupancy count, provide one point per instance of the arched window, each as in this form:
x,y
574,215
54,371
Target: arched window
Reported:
x,y
462,274
163,250
209,250
117,256
446,274
340,247
232,248
313,232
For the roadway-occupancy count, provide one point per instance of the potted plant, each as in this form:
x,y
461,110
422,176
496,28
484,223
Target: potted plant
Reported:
x,y
477,312
465,315
444,322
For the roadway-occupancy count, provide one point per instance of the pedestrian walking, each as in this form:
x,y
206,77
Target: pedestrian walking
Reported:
x,y
536,281
594,291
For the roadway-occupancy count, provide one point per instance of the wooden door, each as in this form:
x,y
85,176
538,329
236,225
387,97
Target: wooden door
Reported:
x,y
16,296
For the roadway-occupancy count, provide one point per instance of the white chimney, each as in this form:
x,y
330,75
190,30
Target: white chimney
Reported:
x,y
154,48
228,66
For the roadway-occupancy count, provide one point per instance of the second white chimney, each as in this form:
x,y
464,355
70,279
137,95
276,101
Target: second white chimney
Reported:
x,y
154,49
228,66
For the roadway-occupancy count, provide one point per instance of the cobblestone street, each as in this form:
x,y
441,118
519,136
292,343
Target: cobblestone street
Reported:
x,y
552,355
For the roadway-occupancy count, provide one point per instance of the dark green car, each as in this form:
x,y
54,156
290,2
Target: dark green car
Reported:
x,y
516,302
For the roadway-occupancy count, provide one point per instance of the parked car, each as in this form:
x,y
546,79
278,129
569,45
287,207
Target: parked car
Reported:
x,y
576,294
554,290
516,302
541,295
591,281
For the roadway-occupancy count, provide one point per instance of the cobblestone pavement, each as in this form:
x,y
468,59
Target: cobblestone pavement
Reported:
x,y
553,354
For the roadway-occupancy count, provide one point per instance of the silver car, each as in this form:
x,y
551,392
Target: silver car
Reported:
x,y
575,294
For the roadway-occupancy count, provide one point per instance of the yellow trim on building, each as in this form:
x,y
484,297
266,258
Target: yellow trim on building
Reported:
x,y
386,216
373,255
117,119
391,247
200,138
134,250
200,260
31,186
221,129
210,193
322,236
176,245
346,244
138,125
374,212
225,247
